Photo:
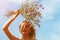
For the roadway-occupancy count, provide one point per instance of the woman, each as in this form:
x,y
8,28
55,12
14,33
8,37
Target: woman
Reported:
x,y
26,28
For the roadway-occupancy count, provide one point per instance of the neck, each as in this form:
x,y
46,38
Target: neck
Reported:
x,y
26,37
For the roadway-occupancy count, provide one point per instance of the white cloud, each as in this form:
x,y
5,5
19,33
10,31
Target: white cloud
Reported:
x,y
56,26
55,33
50,6
55,37
47,13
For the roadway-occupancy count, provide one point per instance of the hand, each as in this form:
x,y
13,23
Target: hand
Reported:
x,y
16,12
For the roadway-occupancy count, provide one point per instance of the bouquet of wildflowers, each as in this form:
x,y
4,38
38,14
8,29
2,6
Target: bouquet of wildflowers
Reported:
x,y
30,11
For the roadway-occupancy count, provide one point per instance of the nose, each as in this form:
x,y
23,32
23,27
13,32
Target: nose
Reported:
x,y
24,27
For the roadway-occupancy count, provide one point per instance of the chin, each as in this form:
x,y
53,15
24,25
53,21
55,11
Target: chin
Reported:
x,y
25,33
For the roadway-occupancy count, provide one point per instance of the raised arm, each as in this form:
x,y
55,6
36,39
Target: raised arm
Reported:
x,y
7,24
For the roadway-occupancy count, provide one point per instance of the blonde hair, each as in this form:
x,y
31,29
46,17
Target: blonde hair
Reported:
x,y
32,33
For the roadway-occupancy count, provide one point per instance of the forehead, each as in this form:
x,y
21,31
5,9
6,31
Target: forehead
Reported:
x,y
27,24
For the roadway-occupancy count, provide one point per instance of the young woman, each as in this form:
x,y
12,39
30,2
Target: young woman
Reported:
x,y
26,28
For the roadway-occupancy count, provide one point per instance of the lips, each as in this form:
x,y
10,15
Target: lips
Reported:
x,y
24,31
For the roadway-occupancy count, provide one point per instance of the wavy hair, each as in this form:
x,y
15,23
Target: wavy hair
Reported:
x,y
32,33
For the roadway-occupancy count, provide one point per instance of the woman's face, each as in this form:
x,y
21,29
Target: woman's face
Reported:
x,y
25,28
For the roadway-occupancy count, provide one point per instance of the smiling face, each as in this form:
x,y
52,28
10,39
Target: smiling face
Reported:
x,y
25,27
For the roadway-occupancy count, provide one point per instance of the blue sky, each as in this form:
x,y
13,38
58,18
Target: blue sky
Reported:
x,y
50,22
